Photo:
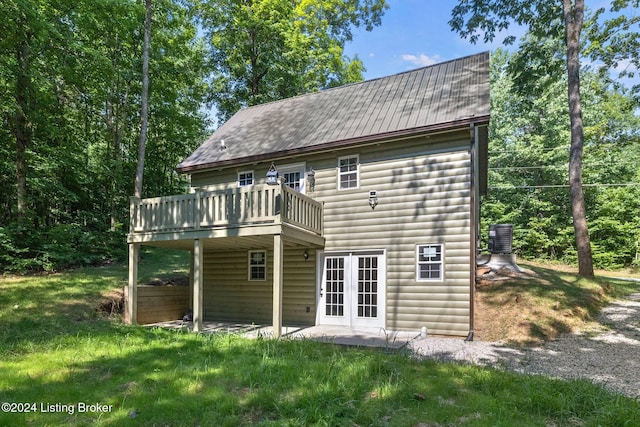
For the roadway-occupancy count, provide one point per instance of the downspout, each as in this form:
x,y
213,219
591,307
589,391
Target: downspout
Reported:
x,y
473,133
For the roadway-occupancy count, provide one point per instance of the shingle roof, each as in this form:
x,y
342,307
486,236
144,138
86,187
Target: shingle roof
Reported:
x,y
434,97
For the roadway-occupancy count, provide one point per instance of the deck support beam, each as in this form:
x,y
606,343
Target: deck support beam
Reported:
x,y
198,312
132,303
191,281
278,250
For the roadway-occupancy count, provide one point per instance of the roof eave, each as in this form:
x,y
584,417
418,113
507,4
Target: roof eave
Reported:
x,y
333,145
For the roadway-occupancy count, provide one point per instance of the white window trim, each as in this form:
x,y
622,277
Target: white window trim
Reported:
x,y
253,179
441,262
295,167
357,157
264,252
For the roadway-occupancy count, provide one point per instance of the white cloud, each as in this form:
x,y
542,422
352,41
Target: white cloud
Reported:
x,y
421,60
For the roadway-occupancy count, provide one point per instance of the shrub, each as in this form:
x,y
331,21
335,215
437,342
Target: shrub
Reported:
x,y
63,246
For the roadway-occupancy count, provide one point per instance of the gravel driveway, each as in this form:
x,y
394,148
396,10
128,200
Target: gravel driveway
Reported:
x,y
609,356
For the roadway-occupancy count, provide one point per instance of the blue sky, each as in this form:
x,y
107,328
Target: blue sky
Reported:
x,y
414,33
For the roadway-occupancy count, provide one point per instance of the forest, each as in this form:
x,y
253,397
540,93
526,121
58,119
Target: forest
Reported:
x,y
70,106
528,167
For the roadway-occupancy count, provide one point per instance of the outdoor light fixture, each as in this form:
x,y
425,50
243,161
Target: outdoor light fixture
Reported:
x,y
311,176
272,175
373,199
305,255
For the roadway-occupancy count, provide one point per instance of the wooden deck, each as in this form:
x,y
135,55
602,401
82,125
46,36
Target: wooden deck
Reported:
x,y
233,218
203,214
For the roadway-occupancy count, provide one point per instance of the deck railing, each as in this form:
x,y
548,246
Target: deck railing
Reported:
x,y
258,204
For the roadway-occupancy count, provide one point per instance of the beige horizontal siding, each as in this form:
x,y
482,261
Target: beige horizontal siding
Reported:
x,y
421,200
424,195
229,295
413,310
453,278
436,320
434,300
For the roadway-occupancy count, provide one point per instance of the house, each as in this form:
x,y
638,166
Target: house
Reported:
x,y
355,206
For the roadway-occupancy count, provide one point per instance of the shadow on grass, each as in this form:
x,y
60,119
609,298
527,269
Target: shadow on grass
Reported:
x,y
36,309
157,377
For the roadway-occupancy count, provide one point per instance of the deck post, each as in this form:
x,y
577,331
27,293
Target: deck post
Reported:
x,y
278,249
197,285
191,281
132,303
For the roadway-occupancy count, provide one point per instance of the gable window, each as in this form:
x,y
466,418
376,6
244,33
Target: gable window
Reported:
x,y
245,178
257,265
348,171
430,262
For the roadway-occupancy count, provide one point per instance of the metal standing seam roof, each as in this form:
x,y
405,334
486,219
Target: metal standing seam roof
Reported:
x,y
439,96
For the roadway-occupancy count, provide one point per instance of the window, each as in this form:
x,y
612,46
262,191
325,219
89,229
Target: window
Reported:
x,y
257,265
293,175
348,169
430,262
245,178
292,179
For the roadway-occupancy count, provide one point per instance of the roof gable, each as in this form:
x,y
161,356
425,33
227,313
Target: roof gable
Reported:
x,y
434,97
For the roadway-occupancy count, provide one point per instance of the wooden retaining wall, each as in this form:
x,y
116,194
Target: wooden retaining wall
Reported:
x,y
159,303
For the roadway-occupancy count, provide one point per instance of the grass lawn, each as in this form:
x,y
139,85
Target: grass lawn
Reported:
x,y
59,356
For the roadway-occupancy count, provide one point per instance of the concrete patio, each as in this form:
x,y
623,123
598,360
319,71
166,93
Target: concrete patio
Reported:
x,y
377,337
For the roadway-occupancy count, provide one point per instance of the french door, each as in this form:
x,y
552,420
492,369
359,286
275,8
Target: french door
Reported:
x,y
352,290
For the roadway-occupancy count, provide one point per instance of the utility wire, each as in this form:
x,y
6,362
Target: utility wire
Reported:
x,y
507,187
565,166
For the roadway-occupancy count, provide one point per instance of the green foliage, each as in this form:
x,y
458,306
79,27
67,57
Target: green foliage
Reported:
x,y
70,84
265,50
12,256
554,44
57,248
81,70
610,41
613,36
528,170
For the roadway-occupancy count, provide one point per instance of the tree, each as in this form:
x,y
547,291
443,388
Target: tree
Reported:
x,y
24,29
528,145
574,19
471,18
529,138
264,50
70,106
144,113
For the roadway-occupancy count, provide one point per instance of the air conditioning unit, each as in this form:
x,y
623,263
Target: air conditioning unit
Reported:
x,y
500,238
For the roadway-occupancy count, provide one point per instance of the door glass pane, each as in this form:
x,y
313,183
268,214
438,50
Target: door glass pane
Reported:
x,y
367,287
334,286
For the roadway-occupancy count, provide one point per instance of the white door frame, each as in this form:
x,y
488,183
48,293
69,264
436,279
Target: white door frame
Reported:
x,y
370,299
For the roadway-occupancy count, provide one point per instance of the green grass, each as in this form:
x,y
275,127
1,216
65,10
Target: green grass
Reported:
x,y
56,349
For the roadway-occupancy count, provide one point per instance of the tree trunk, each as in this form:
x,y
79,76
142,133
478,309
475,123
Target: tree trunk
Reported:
x,y
144,114
22,126
574,17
